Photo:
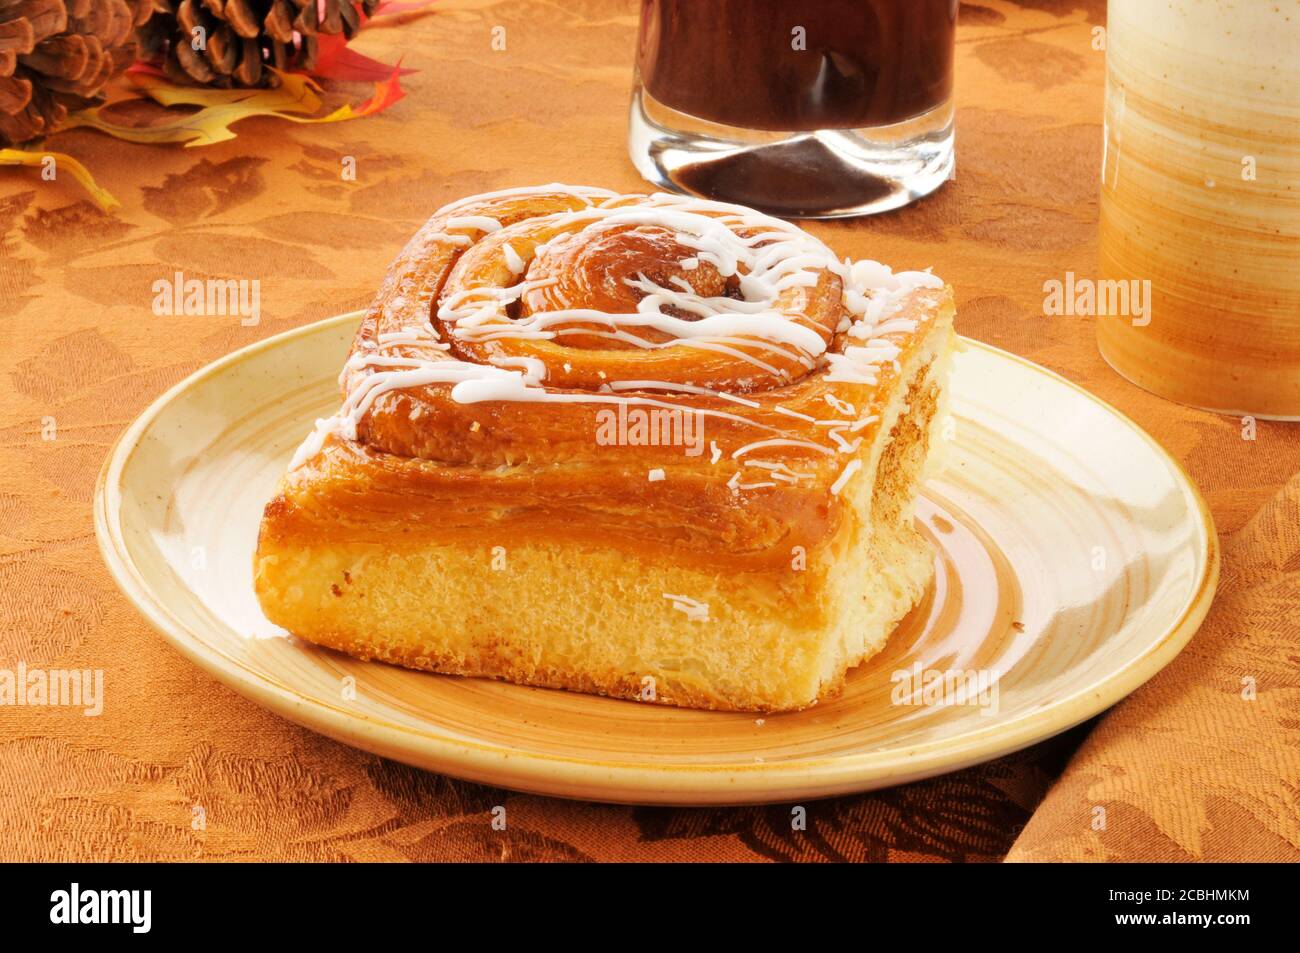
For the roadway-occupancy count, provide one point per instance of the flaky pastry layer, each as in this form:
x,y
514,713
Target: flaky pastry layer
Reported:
x,y
747,565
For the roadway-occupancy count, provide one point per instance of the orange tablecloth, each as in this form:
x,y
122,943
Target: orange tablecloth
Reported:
x,y
1185,768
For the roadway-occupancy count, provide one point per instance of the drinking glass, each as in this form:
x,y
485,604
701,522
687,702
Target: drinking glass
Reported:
x,y
813,109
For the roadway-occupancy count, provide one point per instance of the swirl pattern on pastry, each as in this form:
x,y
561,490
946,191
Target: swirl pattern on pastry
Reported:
x,y
581,298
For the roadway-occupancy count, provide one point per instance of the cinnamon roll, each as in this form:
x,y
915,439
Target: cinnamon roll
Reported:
x,y
645,446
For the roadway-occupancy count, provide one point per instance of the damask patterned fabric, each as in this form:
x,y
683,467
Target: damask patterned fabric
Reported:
x,y
1187,768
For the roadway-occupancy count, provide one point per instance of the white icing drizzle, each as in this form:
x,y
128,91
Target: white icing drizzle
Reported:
x,y
769,260
684,388
794,413
695,610
863,422
585,192
735,485
479,223
779,442
409,335
850,468
845,446
513,261
890,326
860,365
842,406
779,471
462,240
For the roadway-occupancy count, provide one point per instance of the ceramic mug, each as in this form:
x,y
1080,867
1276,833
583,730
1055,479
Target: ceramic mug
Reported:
x,y
1200,202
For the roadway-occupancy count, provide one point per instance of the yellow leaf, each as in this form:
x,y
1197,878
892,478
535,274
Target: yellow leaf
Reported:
x,y
101,196
296,93
296,99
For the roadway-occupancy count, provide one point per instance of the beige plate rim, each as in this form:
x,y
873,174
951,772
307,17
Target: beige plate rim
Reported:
x,y
629,781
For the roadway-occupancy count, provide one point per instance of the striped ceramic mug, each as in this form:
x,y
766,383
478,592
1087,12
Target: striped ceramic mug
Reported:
x,y
1200,202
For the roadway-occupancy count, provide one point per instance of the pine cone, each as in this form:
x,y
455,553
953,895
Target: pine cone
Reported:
x,y
56,55
228,42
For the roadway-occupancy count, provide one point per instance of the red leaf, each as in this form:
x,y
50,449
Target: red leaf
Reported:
x,y
386,93
336,60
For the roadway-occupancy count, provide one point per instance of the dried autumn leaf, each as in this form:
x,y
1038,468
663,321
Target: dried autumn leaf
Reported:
x,y
296,99
336,59
99,195
386,93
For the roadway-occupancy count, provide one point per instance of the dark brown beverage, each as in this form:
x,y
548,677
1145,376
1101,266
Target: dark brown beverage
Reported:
x,y
795,66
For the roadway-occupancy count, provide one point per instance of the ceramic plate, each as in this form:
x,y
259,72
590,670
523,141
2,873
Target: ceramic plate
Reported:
x,y
1075,559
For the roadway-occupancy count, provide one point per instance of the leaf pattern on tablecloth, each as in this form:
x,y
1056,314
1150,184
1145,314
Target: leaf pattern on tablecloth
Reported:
x,y
474,841
973,14
79,228
1091,11
46,610
417,794
1041,65
19,273
67,363
1190,768
206,189
968,816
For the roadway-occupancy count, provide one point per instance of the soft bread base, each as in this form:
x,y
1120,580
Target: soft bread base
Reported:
x,y
598,620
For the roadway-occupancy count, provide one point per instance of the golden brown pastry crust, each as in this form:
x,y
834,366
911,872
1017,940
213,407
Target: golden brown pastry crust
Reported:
x,y
421,468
